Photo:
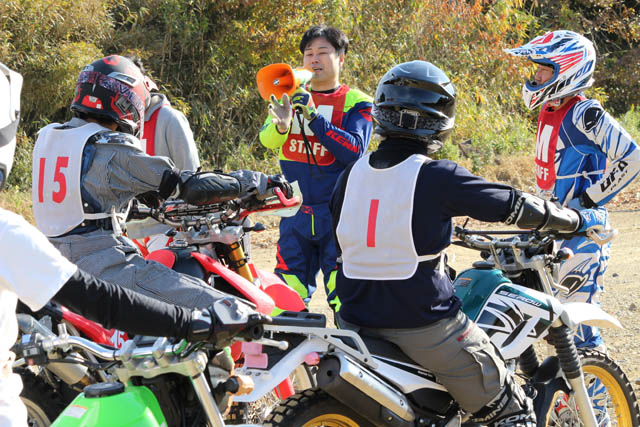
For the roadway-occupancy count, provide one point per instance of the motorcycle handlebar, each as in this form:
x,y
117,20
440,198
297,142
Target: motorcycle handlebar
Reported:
x,y
216,213
105,353
470,238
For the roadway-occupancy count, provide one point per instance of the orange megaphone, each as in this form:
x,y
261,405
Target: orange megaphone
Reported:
x,y
278,79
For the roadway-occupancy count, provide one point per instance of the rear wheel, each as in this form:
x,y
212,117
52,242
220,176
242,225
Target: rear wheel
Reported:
x,y
612,396
314,408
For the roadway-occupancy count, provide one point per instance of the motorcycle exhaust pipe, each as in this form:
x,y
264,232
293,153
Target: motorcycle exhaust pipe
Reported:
x,y
71,373
363,391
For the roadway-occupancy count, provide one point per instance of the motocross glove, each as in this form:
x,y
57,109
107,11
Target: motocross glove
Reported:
x,y
281,113
303,102
529,211
592,219
205,188
251,181
202,326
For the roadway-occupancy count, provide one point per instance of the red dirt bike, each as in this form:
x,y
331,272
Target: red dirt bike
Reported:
x,y
211,243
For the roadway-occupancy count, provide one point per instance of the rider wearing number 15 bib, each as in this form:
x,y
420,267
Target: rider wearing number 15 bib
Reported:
x,y
86,172
583,156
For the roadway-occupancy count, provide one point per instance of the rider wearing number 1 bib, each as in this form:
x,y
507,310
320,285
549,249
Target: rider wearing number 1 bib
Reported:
x,y
392,214
583,156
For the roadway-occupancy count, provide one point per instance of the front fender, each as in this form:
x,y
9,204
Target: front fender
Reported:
x,y
588,314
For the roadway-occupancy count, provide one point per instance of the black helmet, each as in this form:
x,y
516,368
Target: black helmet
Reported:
x,y
415,100
112,89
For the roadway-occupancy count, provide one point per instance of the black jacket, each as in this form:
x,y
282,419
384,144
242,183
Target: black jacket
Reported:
x,y
444,190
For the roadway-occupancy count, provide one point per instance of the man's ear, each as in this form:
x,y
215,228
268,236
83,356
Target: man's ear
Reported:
x,y
341,59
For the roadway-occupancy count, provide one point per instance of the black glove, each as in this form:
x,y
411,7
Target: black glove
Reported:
x,y
205,188
151,198
251,181
279,181
202,325
206,326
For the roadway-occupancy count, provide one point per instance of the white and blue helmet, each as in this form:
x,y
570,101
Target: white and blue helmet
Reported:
x,y
10,86
573,59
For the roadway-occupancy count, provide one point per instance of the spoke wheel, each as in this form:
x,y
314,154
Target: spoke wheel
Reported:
x,y
331,420
612,395
314,408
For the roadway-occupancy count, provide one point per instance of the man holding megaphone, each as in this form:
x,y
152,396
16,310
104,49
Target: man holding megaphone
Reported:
x,y
319,128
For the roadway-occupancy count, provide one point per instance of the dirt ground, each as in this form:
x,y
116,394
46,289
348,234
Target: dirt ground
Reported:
x,y
621,280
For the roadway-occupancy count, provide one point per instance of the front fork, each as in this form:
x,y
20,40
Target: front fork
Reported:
x,y
238,261
205,396
562,340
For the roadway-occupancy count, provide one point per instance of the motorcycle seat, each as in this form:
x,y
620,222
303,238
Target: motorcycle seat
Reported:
x,y
386,349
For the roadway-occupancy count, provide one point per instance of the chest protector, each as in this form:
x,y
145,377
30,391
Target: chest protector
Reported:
x,y
149,132
57,164
549,124
331,107
374,230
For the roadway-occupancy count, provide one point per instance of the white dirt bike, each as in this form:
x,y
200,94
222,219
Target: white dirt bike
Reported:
x,y
363,381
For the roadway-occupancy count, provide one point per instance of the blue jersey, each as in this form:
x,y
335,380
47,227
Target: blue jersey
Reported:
x,y
338,136
581,148
443,190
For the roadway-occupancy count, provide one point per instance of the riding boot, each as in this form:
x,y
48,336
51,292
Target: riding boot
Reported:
x,y
511,407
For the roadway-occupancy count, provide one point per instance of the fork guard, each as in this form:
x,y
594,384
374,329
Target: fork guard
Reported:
x,y
587,314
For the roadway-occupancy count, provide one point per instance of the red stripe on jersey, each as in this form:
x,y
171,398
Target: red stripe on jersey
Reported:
x,y
371,227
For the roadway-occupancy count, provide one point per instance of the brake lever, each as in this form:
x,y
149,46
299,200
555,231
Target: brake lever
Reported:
x,y
604,238
287,203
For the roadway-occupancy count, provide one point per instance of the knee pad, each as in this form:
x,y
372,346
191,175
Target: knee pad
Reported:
x,y
511,407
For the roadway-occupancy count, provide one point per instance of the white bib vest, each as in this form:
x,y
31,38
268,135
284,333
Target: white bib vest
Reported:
x,y
374,230
57,164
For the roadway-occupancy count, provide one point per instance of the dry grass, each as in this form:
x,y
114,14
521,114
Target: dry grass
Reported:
x,y
18,202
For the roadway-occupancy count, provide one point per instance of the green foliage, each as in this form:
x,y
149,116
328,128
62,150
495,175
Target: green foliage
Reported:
x,y
48,42
20,177
204,54
631,122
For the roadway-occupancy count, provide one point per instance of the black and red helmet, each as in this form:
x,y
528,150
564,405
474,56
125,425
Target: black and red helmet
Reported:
x,y
113,89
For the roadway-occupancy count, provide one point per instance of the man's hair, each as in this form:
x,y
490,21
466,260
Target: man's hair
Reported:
x,y
337,38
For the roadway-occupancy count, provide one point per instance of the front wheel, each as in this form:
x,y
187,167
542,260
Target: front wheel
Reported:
x,y
314,408
43,403
612,396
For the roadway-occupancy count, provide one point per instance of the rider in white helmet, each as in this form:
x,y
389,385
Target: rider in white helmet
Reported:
x,y
23,246
583,156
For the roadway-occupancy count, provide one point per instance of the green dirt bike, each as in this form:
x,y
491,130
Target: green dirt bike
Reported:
x,y
155,382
